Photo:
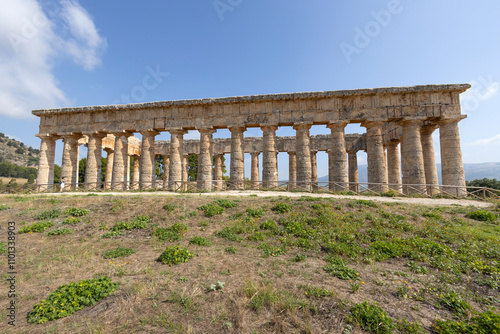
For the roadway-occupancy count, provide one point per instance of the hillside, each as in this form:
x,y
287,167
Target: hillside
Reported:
x,y
253,264
18,153
489,170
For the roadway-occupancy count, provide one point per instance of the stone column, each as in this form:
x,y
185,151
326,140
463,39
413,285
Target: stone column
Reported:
x,y
185,175
70,161
166,166
205,160
452,168
148,160
314,170
119,179
218,171
353,170
269,159
303,150
292,169
255,170
393,165
93,168
176,156
430,167
136,179
237,176
377,169
330,170
339,156
45,177
412,157
109,167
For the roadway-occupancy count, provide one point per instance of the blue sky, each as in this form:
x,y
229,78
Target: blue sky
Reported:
x,y
68,53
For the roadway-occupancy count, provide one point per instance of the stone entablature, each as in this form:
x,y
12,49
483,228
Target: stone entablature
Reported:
x,y
398,116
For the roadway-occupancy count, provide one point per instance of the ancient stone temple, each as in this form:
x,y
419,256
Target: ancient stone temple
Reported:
x,y
397,119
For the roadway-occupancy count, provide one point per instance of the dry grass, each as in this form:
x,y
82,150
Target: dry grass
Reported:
x,y
156,298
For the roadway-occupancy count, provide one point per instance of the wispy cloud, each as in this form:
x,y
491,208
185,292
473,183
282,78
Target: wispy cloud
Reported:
x,y
31,41
483,89
495,140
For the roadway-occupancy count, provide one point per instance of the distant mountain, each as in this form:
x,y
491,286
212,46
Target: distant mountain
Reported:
x,y
17,153
489,170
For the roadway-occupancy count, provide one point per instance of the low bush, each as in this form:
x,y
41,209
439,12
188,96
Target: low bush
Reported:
x,y
255,213
482,215
175,255
36,227
60,231
48,214
199,241
371,317
118,252
211,210
71,221
339,269
225,203
485,323
281,207
76,212
173,233
67,299
139,222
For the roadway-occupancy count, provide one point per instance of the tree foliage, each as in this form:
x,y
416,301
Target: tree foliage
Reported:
x,y
488,183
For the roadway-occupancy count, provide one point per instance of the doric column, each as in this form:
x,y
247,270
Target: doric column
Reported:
x,y
412,157
254,175
353,170
176,156
292,169
166,166
452,168
45,177
119,180
109,167
338,155
93,168
393,165
70,160
148,160
430,167
303,150
314,170
136,171
330,170
237,176
185,174
205,160
218,170
269,160
377,170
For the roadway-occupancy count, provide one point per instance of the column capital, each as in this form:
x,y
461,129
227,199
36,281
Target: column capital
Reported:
x,y
292,153
48,136
393,142
122,134
109,149
372,123
302,125
352,151
450,120
149,132
411,121
95,134
428,128
332,125
268,127
253,154
208,130
237,129
178,131
314,152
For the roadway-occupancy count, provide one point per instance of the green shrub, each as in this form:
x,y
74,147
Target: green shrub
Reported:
x,y
49,214
228,233
3,247
36,227
4,207
199,241
455,303
118,252
169,207
60,231
255,213
281,207
482,215
270,225
339,269
299,258
76,212
269,250
225,203
485,323
175,255
67,299
111,234
71,221
371,318
409,327
211,210
231,250
139,222
312,291
366,203
173,233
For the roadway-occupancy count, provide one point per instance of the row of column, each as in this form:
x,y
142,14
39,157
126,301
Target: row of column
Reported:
x,y
418,165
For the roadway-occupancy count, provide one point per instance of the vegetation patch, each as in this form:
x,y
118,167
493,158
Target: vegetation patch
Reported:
x,y
200,241
485,323
482,215
225,203
371,317
139,222
77,212
4,207
118,252
36,227
69,298
48,214
173,233
339,269
60,231
255,213
175,255
282,208
211,210
71,221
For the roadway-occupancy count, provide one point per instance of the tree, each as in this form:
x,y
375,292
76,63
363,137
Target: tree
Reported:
x,y
488,183
193,167
31,179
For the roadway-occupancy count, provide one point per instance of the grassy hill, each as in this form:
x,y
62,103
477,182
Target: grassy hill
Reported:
x,y
255,264
17,152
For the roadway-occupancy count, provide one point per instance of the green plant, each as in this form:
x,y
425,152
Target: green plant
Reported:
x,y
417,269
339,269
281,207
175,255
67,299
139,222
71,221
255,213
231,250
4,207
173,233
484,323
219,286
76,212
482,215
60,231
409,327
269,250
355,285
118,252
36,227
211,210
455,303
3,247
225,203
169,207
111,234
228,233
48,214
371,317
200,241
312,291
299,258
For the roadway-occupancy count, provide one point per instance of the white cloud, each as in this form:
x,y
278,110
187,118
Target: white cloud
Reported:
x,y
482,89
31,40
495,140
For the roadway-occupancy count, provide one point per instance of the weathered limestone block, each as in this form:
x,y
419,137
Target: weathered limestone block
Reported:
x,y
218,171
431,175
176,156
136,179
269,161
353,170
254,175
205,160
339,156
412,157
292,169
148,160
303,156
69,166
377,169
237,174
166,166
119,180
314,170
452,168
45,177
109,166
393,166
93,168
